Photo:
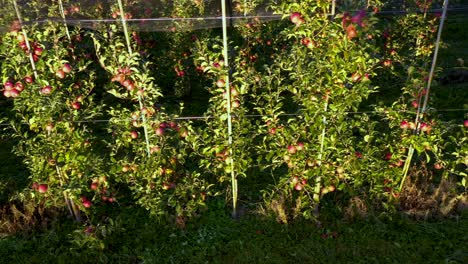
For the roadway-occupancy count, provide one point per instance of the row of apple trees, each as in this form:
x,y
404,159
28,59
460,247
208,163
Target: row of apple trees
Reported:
x,y
99,119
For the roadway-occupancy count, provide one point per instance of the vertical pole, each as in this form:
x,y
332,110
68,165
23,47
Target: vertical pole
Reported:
x,y
421,111
434,58
26,40
229,118
333,8
318,183
62,13
75,212
140,99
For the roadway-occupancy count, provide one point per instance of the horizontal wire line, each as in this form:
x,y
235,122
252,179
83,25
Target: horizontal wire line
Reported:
x,y
251,116
383,12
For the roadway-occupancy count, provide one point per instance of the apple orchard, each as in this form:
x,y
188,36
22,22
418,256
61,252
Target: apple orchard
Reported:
x,y
324,104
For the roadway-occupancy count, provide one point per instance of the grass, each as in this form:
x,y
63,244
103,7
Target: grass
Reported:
x,y
216,238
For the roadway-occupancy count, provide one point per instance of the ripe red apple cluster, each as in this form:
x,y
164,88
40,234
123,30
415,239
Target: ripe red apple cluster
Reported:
x,y
121,77
72,10
292,149
350,22
298,183
13,90
160,129
36,49
405,125
116,15
235,102
63,71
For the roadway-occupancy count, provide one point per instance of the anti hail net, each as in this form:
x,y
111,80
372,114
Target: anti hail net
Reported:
x,y
168,15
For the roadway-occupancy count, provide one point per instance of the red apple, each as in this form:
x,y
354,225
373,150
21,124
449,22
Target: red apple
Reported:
x,y
46,90
351,32
42,188
60,74
235,104
425,127
415,104
296,18
66,68
14,93
50,127
76,105
159,131
87,204
155,149
292,149
300,146
94,186
134,134
38,51
404,124
35,186
298,187
8,86
388,156
220,83
438,166
465,123
387,63
19,86
358,154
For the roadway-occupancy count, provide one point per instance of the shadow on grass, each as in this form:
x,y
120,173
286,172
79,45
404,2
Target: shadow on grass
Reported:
x,y
134,237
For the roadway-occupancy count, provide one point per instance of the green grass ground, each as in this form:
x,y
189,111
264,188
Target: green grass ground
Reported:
x,y
216,238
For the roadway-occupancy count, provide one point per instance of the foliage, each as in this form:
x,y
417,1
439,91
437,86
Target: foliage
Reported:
x,y
306,111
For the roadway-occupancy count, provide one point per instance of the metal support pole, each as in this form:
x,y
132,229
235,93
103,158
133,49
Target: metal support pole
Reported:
x,y
229,117
140,99
422,110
